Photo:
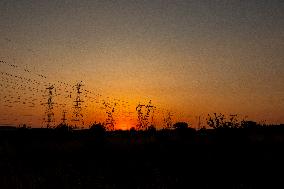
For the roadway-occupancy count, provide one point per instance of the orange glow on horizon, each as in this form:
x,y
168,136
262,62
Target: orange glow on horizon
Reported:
x,y
123,125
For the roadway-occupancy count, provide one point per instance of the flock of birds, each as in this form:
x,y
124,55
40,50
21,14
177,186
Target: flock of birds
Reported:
x,y
24,89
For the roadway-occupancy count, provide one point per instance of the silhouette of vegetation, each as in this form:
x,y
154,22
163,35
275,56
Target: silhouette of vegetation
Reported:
x,y
24,126
218,121
181,126
98,128
62,157
63,127
249,124
183,130
151,130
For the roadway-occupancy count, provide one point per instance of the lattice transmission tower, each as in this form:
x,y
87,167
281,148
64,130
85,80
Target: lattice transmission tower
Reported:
x,y
64,119
110,121
49,114
168,122
77,117
145,115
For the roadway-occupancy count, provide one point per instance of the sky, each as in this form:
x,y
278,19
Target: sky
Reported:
x,y
190,57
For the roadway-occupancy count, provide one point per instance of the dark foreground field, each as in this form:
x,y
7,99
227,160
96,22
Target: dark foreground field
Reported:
x,y
233,158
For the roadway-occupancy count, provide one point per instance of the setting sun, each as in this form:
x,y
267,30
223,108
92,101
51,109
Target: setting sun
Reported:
x,y
123,126
141,94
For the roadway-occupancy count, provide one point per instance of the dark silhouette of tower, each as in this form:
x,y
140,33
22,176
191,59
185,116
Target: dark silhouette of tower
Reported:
x,y
145,115
110,122
77,117
64,119
168,123
49,114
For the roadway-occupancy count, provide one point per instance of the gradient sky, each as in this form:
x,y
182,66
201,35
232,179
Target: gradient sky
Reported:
x,y
192,57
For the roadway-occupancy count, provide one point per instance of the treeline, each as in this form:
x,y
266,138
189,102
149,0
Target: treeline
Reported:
x,y
229,154
213,121
220,129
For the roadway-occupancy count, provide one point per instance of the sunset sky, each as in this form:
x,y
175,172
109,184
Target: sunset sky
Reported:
x,y
189,57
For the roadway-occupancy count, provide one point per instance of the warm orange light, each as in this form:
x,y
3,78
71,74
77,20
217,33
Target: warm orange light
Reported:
x,y
123,126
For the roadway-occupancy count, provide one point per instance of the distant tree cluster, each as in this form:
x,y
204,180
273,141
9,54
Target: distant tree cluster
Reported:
x,y
218,121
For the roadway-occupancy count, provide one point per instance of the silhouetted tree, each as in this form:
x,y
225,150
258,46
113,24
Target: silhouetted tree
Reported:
x,y
183,129
98,129
217,121
232,122
24,126
180,126
151,130
132,131
249,124
63,127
